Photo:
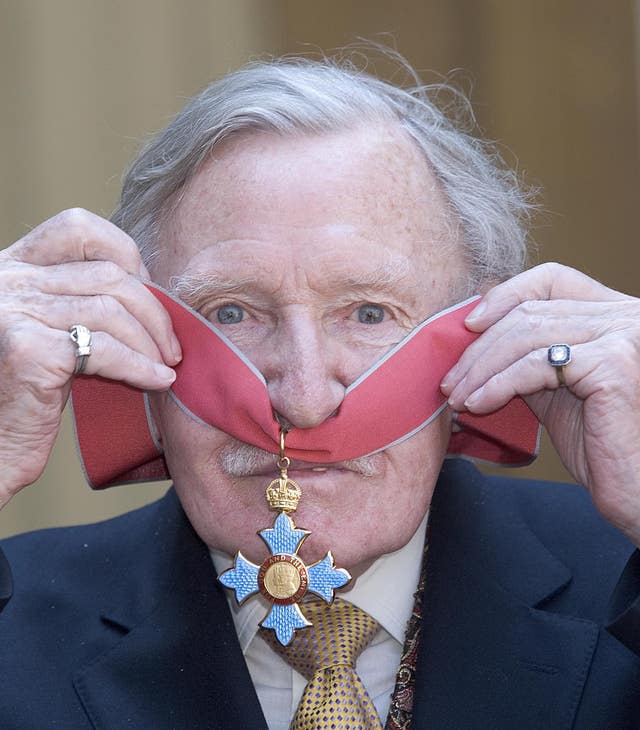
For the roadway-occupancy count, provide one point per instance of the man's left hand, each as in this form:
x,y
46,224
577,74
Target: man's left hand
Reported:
x,y
594,421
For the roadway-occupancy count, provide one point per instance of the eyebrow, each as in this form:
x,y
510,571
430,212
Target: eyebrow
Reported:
x,y
194,289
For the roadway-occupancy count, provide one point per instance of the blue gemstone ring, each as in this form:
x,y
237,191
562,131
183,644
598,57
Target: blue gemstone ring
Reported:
x,y
559,356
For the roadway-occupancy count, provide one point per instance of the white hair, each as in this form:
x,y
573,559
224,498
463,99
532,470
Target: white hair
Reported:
x,y
293,96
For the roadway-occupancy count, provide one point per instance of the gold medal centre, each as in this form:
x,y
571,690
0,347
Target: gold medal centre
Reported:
x,y
283,579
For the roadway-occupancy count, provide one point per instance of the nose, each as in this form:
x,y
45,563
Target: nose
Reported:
x,y
304,373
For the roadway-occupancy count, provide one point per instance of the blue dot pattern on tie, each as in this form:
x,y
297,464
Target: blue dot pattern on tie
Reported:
x,y
326,653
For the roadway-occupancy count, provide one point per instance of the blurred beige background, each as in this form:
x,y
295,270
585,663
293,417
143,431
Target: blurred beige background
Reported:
x,y
84,81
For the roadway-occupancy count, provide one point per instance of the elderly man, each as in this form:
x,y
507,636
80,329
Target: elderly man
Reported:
x,y
317,216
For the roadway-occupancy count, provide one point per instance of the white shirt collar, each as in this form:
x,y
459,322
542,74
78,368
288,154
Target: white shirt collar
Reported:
x,y
385,591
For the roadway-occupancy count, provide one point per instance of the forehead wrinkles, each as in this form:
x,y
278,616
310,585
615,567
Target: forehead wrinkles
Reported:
x,y
392,269
311,191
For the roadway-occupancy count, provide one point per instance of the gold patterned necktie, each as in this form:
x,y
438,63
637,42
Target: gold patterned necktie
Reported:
x,y
326,654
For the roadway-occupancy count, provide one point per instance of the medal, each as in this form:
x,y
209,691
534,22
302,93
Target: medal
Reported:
x,y
283,578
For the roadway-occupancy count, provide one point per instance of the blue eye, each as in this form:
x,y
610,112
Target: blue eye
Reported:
x,y
370,314
230,314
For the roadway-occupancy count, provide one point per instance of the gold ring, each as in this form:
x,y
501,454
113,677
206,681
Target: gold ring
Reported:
x,y
558,356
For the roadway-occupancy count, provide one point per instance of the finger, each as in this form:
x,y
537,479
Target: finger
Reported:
x,y
98,313
114,360
106,279
544,282
77,235
529,326
533,373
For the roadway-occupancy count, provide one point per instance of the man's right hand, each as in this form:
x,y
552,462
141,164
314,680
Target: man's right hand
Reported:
x,y
75,268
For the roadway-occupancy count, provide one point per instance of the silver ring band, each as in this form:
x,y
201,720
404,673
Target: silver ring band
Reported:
x,y
558,356
81,361
81,337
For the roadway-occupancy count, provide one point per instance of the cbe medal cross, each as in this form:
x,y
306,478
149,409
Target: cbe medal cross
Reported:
x,y
283,578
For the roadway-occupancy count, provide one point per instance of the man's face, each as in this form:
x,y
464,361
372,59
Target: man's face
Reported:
x,y
314,255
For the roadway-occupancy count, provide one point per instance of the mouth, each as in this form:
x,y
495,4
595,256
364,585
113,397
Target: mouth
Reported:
x,y
299,467
242,461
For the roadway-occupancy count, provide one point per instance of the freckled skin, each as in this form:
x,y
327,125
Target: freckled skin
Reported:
x,y
300,219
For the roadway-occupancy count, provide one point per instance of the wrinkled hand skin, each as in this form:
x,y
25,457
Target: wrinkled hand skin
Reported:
x,y
593,422
75,268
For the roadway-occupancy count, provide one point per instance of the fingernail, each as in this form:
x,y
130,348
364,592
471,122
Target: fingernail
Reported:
x,y
473,398
175,348
144,274
164,372
476,313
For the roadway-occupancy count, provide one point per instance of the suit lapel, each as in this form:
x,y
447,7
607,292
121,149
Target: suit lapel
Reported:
x,y
489,657
176,662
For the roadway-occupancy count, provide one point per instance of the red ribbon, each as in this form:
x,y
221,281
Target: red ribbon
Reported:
x,y
217,385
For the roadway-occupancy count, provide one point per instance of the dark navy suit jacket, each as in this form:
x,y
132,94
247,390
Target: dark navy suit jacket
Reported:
x,y
123,624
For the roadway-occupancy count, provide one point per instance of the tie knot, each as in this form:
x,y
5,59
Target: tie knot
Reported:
x,y
340,633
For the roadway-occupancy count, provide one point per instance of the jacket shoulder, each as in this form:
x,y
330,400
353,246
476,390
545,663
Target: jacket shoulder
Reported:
x,y
506,512
65,573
